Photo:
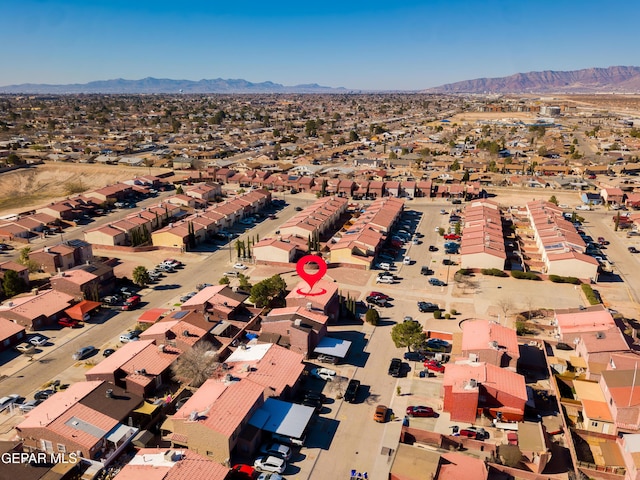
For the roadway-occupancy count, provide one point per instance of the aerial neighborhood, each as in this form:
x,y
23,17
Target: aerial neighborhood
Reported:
x,y
478,317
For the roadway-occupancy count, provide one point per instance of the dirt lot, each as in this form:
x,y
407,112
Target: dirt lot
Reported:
x,y
33,187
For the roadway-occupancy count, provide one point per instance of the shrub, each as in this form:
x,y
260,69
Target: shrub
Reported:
x,y
592,296
494,272
447,316
437,314
561,279
524,275
521,328
454,311
372,316
464,271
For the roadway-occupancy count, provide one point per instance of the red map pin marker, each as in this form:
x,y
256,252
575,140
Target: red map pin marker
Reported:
x,y
311,278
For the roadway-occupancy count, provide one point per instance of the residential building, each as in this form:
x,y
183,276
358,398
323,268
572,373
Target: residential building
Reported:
x,y
490,342
36,311
297,328
172,464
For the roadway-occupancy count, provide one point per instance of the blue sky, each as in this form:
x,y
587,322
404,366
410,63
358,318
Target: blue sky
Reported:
x,y
371,45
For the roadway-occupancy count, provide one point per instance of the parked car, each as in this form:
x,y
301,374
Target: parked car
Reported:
x,y
384,296
424,270
380,302
380,414
276,437
269,476
38,341
421,411
5,402
131,303
434,366
323,373
384,266
633,249
26,348
427,307
351,392
186,296
42,395
67,322
172,262
244,470
452,236
437,342
406,261
385,279
474,432
270,464
129,337
436,282
276,450
414,356
239,266
108,351
84,352
433,248
395,367
30,405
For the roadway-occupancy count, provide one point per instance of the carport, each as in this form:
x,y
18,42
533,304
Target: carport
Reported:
x,y
283,418
335,347
80,310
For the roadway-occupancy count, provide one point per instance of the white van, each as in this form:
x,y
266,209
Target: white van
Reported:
x,y
384,266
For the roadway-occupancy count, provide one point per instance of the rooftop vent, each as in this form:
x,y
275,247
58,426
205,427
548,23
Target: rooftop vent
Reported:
x,y
109,393
599,334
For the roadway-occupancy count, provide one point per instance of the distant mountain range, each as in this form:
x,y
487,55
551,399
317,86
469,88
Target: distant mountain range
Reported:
x,y
165,85
590,80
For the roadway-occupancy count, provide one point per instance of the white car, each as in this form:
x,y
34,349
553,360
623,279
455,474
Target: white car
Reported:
x,y
38,341
324,373
239,266
385,280
270,464
583,207
10,399
276,450
384,266
269,476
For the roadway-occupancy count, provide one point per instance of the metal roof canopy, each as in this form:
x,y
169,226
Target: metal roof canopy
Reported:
x,y
336,347
284,418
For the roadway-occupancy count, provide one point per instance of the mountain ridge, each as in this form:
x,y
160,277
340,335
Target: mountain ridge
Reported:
x,y
152,85
617,79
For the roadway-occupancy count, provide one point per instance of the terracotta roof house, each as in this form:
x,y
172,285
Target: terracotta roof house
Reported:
x,y
622,396
325,298
36,311
172,464
90,281
21,270
214,421
11,333
297,328
276,368
60,210
106,235
612,196
490,342
138,367
279,249
596,349
62,256
473,386
88,417
572,322
595,411
175,334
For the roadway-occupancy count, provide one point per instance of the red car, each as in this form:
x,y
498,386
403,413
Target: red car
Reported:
x,y
67,322
421,411
379,295
243,471
452,236
435,366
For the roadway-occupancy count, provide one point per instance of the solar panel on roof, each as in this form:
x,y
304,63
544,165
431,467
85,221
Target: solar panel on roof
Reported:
x,y
180,314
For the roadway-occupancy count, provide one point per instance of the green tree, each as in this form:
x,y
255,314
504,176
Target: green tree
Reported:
x,y
553,200
268,292
26,261
392,155
140,276
372,316
353,136
455,165
13,284
224,281
179,190
466,176
408,334
244,282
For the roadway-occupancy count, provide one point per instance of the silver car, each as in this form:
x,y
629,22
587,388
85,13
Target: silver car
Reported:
x,y
84,352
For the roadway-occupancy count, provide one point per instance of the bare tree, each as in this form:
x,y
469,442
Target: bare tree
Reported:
x,y
197,365
505,305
